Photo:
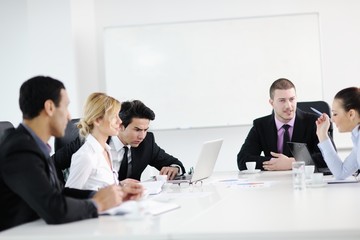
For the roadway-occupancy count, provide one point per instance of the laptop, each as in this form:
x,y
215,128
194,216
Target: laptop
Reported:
x,y
205,164
301,152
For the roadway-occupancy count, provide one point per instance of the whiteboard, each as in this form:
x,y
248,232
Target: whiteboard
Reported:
x,y
212,73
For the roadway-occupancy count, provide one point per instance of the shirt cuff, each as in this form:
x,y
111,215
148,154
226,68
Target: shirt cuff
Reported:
x,y
175,165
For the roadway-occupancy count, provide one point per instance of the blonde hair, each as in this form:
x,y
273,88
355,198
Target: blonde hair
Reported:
x,y
98,105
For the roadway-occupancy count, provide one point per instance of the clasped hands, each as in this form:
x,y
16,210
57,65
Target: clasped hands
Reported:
x,y
278,162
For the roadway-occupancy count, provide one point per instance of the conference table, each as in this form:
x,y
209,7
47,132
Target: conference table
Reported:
x,y
228,205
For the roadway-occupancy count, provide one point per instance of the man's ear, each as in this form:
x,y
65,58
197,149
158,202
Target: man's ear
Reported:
x,y
271,102
49,107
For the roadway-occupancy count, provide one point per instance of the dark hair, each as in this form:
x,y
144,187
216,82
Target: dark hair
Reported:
x,y
134,109
35,91
281,83
350,98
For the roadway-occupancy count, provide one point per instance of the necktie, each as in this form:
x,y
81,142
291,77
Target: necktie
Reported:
x,y
124,165
286,139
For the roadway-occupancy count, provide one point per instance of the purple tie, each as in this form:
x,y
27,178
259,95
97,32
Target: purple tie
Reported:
x,y
286,139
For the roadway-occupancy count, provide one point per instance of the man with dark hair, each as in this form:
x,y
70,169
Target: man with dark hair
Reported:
x,y
29,188
141,149
269,134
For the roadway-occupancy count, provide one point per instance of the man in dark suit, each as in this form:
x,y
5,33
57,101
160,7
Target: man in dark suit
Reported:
x,y
267,134
29,188
142,148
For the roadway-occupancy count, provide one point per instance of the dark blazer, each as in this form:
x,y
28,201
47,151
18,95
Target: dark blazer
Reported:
x,y
147,153
26,192
263,138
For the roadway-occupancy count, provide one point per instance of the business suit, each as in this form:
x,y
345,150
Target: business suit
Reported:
x,y
263,138
27,192
147,153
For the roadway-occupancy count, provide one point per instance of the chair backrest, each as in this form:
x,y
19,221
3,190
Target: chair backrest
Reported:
x,y
322,106
4,125
71,133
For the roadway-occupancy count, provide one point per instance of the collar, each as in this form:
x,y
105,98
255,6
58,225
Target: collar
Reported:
x,y
355,132
118,145
280,124
44,147
95,144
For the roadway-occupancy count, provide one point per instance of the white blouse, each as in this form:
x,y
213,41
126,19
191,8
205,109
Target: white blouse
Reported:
x,y
89,168
342,169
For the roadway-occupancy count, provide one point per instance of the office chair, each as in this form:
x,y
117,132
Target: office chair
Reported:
x,y
4,125
322,106
71,133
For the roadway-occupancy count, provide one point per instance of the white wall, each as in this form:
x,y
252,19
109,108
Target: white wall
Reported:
x,y
13,49
64,39
36,39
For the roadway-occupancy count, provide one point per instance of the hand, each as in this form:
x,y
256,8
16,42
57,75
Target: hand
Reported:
x,y
278,162
108,197
171,172
322,127
132,189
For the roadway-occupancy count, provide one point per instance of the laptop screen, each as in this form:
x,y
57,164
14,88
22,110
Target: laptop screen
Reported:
x,y
205,163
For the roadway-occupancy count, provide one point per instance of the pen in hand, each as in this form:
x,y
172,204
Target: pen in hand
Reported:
x,y
316,111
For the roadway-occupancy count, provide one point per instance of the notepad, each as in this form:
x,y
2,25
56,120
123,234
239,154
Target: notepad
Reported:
x,y
155,207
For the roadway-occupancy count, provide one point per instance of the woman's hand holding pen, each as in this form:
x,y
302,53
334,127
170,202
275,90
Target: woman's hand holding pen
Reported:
x,y
322,127
132,189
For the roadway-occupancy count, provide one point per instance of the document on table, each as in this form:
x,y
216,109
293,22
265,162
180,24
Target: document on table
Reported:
x,y
350,179
245,184
141,207
152,187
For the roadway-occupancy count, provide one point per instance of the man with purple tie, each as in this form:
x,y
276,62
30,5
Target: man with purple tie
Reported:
x,y
270,134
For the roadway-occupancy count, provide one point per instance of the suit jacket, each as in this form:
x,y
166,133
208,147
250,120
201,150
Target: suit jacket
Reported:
x,y
26,191
263,138
147,153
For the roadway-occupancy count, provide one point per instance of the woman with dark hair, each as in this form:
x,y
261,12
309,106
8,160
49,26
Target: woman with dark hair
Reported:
x,y
346,116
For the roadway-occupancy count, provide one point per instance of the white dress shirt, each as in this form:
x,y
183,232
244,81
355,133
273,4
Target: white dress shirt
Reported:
x,y
117,152
89,168
338,168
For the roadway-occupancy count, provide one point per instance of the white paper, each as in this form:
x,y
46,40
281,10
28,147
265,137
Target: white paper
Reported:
x,y
141,207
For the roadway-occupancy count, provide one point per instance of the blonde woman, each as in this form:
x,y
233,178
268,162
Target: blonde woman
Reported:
x,y
91,166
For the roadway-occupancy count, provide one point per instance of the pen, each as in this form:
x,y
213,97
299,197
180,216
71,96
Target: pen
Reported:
x,y
318,112
250,183
315,110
